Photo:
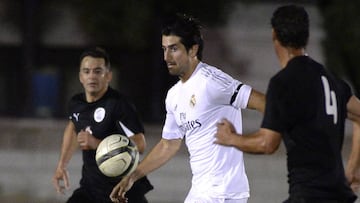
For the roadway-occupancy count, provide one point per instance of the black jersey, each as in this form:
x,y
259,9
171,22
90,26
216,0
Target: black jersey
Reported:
x,y
113,113
307,105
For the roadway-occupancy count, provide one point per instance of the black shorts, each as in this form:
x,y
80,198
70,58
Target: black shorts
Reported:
x,y
81,195
135,195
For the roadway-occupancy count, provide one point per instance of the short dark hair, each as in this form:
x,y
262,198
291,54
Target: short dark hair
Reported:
x,y
97,52
291,26
187,28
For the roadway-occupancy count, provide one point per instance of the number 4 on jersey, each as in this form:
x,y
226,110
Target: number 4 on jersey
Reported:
x,y
330,99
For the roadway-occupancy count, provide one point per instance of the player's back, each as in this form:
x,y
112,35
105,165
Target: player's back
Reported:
x,y
315,136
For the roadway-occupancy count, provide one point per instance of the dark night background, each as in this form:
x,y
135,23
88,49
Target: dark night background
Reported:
x,y
130,31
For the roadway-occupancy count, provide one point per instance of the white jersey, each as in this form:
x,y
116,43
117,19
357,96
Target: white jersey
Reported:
x,y
193,109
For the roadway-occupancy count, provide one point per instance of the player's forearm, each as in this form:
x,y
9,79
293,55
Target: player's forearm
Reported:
x,y
157,157
259,142
250,144
353,109
139,140
68,147
354,158
67,151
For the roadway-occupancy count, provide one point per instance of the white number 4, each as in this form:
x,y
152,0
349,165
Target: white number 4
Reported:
x,y
330,99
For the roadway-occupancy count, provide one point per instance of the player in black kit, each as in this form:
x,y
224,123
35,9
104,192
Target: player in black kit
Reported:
x,y
95,114
306,107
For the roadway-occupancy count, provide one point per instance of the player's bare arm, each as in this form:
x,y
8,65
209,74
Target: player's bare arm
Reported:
x,y
139,140
264,141
353,164
352,168
158,156
353,108
69,145
257,101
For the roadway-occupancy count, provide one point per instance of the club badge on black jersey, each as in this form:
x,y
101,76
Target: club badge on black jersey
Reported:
x,y
99,114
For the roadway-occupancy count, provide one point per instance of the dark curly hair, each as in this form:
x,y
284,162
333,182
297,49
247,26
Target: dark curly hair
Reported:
x,y
187,28
291,26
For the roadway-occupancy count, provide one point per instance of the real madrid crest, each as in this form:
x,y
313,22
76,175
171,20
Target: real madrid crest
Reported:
x,y
99,114
192,100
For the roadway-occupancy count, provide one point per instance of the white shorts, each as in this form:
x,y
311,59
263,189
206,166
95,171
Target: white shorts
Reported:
x,y
201,198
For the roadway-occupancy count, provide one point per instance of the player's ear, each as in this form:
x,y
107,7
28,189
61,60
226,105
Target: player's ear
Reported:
x,y
273,34
80,78
193,50
109,75
275,39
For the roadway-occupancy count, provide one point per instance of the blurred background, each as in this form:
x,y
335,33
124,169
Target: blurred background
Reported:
x,y
41,40
40,45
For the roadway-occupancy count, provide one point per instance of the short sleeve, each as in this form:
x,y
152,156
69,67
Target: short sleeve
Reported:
x,y
240,97
127,118
275,117
73,105
170,129
225,90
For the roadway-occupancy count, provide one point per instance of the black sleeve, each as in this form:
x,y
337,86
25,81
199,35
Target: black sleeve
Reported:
x,y
70,108
285,104
127,118
274,114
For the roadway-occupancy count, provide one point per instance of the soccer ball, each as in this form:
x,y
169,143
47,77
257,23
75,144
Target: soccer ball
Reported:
x,y
117,156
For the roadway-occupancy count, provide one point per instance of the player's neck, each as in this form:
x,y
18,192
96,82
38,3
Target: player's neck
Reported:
x,y
286,54
187,75
93,97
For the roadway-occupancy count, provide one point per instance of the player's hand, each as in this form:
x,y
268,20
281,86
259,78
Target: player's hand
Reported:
x,y
86,140
118,193
61,174
354,180
225,132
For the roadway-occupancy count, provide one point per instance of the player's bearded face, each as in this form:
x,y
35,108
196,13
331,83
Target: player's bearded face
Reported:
x,y
94,76
175,55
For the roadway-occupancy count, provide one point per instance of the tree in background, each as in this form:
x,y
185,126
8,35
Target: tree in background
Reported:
x,y
342,42
128,29
132,23
132,29
135,28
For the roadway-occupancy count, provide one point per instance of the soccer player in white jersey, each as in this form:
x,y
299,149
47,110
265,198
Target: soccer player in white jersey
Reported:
x,y
194,104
